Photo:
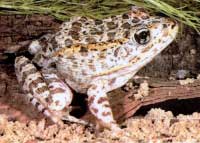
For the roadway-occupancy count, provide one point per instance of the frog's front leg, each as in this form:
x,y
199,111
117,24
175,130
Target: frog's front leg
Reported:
x,y
99,105
61,97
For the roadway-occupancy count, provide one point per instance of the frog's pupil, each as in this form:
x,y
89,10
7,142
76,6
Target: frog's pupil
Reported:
x,y
142,37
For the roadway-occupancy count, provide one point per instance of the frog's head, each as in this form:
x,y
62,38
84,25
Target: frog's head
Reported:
x,y
150,35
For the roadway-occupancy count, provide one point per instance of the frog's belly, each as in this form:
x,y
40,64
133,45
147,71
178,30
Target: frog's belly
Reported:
x,y
81,81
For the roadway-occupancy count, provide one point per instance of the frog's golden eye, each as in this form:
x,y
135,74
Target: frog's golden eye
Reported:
x,y
142,36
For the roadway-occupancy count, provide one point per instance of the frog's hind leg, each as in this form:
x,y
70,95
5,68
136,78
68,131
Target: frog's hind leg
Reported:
x,y
99,105
33,85
45,91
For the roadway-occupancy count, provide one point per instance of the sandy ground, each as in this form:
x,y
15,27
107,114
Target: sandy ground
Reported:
x,y
156,126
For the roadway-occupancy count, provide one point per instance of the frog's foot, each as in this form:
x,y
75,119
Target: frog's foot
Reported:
x,y
100,107
73,119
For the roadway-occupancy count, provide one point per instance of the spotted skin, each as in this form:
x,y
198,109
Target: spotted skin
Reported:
x,y
94,57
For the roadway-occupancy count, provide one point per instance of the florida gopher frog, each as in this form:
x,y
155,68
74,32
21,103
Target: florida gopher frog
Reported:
x,y
93,57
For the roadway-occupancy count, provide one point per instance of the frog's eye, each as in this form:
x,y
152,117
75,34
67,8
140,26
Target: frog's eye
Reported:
x,y
142,36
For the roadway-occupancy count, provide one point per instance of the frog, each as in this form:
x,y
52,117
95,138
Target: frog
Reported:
x,y
93,57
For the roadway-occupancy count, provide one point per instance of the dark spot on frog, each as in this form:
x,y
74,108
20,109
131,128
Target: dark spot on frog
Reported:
x,y
125,16
134,11
101,100
37,104
83,19
95,49
75,65
145,17
137,25
87,23
106,113
113,16
140,9
68,42
98,22
112,25
126,34
84,54
112,81
43,39
91,40
164,25
44,43
135,20
44,49
74,34
126,25
84,72
121,42
102,55
106,105
94,31
83,49
95,110
116,52
91,98
48,99
84,32
76,29
76,24
111,35
54,43
92,67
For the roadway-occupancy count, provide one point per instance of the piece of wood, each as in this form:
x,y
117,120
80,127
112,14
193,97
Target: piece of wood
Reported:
x,y
16,31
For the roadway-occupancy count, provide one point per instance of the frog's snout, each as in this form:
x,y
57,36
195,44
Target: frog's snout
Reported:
x,y
174,23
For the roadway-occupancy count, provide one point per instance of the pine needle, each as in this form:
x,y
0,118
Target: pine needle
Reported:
x,y
185,11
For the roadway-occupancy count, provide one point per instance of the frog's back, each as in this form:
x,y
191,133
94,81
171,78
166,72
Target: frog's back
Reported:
x,y
83,30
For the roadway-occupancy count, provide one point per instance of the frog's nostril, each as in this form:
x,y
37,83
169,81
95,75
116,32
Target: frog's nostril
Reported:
x,y
173,24
164,25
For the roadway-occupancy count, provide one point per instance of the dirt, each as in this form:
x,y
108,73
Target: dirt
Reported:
x,y
157,126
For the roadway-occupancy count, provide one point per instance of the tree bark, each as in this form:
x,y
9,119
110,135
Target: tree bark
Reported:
x,y
17,30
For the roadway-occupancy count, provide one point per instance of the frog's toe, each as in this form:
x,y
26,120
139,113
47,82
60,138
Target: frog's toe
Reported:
x,y
73,119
